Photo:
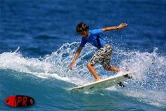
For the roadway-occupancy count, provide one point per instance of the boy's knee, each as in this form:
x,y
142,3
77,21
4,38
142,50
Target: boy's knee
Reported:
x,y
89,65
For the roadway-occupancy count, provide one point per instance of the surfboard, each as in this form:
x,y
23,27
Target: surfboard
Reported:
x,y
105,83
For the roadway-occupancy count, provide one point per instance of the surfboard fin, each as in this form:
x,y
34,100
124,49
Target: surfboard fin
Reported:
x,y
121,84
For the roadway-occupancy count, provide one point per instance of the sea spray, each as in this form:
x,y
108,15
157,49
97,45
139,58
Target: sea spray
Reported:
x,y
148,84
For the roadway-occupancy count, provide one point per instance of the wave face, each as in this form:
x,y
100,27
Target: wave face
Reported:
x,y
50,75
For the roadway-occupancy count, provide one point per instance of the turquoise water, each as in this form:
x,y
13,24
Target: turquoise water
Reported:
x,y
38,42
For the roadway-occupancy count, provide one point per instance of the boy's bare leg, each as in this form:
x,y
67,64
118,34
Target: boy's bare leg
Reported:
x,y
115,69
93,71
112,68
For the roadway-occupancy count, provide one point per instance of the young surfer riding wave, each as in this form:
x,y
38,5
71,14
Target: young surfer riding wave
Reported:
x,y
103,55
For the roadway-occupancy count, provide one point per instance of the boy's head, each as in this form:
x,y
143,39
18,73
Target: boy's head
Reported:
x,y
82,29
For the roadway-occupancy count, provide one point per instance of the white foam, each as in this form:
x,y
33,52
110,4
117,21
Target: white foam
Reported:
x,y
55,65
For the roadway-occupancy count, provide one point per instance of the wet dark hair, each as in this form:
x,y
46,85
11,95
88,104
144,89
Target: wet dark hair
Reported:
x,y
81,27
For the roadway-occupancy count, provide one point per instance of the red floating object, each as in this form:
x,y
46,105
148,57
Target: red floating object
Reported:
x,y
19,101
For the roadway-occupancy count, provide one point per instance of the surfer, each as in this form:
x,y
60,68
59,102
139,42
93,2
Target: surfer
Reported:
x,y
103,55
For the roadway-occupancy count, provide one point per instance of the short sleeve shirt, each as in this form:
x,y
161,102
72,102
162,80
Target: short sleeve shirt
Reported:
x,y
92,38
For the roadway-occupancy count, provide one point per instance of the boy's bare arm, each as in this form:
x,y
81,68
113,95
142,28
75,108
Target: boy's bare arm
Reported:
x,y
121,26
75,57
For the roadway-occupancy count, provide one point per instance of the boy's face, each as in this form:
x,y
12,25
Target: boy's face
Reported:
x,y
84,33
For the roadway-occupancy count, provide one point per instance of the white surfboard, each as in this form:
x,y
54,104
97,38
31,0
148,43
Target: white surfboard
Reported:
x,y
105,83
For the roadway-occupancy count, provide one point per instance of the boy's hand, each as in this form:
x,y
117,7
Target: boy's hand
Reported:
x,y
72,64
122,25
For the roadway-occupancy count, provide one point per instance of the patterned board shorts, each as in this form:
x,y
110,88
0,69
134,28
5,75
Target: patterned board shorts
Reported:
x,y
103,56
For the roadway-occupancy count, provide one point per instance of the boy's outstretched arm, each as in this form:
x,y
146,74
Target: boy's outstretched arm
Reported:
x,y
121,26
75,57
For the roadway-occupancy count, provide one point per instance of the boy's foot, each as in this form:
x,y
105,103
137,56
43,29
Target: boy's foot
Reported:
x,y
97,79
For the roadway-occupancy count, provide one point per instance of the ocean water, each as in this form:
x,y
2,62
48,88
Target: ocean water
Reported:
x,y
38,41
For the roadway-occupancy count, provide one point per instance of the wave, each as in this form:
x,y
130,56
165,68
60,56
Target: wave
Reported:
x,y
149,79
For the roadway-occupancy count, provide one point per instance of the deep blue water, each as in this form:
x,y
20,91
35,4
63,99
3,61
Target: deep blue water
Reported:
x,y
38,42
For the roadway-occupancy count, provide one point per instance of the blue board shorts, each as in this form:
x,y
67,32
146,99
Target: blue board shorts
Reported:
x,y
103,56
